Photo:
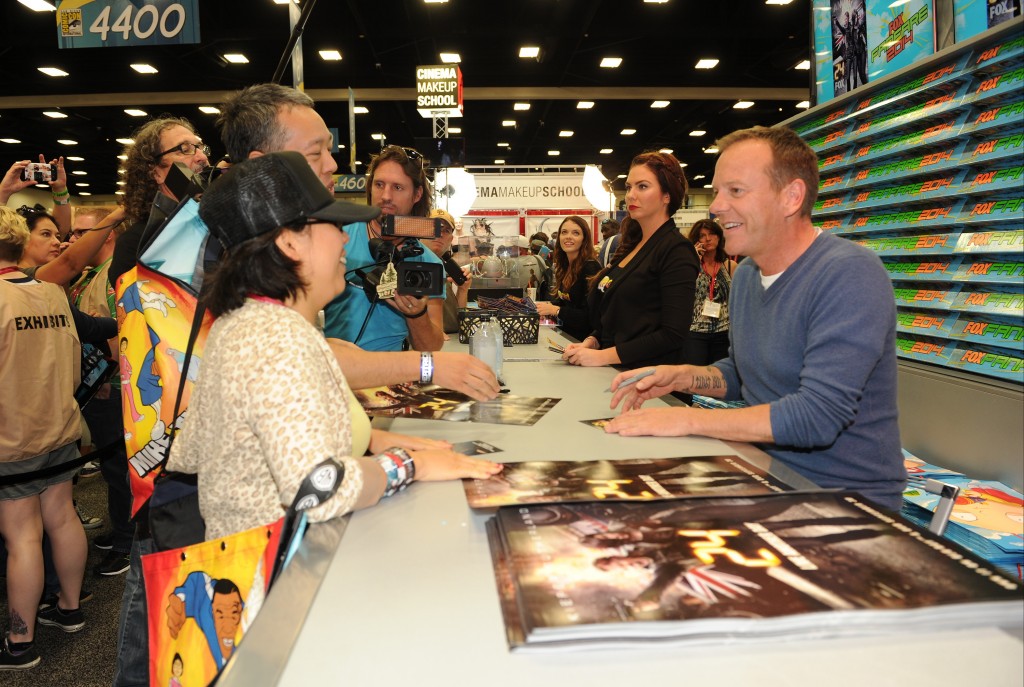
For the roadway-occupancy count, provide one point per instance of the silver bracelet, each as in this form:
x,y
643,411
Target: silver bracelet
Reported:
x,y
426,367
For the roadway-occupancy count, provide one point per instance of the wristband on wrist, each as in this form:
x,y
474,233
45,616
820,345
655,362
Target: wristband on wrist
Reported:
x,y
399,468
426,367
59,194
421,313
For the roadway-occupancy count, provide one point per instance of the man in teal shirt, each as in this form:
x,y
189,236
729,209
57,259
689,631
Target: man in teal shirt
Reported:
x,y
397,184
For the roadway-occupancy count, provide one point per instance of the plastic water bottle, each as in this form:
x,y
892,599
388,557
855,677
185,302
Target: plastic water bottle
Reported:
x,y
485,344
499,355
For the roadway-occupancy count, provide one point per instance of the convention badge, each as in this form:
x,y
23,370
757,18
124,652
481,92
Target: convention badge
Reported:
x,y
388,286
711,309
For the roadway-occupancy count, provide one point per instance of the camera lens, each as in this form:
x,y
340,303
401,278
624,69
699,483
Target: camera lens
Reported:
x,y
417,280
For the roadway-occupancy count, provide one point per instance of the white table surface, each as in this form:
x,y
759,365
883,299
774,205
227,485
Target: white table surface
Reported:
x,y
403,593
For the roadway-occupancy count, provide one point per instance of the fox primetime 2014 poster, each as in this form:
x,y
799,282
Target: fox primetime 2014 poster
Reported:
x,y
859,41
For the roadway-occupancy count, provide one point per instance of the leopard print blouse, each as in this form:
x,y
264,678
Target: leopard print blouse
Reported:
x,y
269,404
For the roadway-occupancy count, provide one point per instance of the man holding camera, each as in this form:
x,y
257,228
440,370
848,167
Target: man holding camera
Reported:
x,y
366,315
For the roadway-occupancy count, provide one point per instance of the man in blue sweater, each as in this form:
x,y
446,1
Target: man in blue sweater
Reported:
x,y
812,339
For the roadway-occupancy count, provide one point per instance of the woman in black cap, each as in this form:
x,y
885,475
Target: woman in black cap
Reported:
x,y
271,402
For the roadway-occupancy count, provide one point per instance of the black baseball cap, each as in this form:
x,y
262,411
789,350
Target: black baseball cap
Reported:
x,y
263,193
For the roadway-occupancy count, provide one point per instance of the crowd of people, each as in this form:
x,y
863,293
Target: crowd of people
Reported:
x,y
819,391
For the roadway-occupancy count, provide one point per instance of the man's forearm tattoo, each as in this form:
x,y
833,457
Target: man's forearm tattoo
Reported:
x,y
709,381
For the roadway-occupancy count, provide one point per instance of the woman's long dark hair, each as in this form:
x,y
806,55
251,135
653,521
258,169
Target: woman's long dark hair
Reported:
x,y
255,267
569,272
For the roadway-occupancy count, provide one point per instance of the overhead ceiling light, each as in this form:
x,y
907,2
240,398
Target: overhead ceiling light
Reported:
x,y
621,176
52,71
508,122
451,57
236,58
376,137
84,193
54,114
529,51
285,2
118,193
121,157
74,158
606,151
697,132
330,55
125,141
521,106
711,150
628,132
434,2
80,172
455,129
144,68
743,104
82,184
499,162
503,145
9,140
656,2
777,2
611,62
804,104
135,113
67,142
585,105
707,186
706,63
38,5
658,104
698,177
121,183
565,133
667,151
554,153
803,64
361,109
209,109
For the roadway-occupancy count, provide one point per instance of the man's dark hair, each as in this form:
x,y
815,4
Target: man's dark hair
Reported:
x,y
248,118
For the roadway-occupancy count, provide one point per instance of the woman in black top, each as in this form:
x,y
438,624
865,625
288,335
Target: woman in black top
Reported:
x,y
642,303
575,262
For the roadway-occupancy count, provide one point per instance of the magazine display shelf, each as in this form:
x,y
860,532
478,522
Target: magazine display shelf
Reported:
x,y
925,169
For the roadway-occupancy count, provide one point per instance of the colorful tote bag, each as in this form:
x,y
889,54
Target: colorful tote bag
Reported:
x,y
156,303
201,599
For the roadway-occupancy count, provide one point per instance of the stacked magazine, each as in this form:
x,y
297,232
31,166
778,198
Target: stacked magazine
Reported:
x,y
987,516
776,567
633,479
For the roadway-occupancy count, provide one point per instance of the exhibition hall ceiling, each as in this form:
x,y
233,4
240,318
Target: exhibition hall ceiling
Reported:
x,y
758,47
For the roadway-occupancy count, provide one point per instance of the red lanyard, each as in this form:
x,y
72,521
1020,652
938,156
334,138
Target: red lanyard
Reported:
x,y
264,299
711,294
8,270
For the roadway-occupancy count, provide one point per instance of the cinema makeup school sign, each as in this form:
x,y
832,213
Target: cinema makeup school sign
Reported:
x,y
439,90
529,191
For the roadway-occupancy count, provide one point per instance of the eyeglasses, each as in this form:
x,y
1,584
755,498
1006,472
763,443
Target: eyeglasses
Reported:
x,y
187,148
27,212
410,153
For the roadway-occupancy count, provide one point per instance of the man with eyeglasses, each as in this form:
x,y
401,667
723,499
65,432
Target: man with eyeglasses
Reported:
x,y
158,144
396,182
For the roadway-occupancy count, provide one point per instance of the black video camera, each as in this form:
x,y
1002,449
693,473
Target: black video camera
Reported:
x,y
420,279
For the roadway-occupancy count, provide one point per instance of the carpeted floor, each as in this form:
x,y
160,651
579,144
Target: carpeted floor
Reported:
x,y
85,658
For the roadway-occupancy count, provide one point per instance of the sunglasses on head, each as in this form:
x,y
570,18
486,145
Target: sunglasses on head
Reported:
x,y
411,153
26,211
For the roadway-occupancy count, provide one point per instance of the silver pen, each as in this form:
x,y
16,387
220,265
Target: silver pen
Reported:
x,y
634,379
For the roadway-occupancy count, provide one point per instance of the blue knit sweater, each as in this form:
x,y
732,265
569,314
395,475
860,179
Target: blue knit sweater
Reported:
x,y
818,346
